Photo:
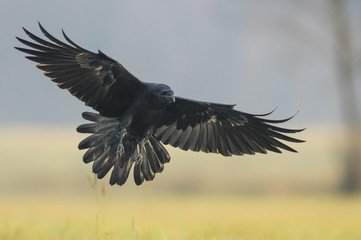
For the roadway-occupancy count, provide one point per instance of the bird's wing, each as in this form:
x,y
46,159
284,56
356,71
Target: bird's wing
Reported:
x,y
94,78
218,128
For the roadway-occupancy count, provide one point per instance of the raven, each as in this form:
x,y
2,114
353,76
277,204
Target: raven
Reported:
x,y
136,117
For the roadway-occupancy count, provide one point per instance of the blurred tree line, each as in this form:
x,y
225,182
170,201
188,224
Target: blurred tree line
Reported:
x,y
335,24
347,64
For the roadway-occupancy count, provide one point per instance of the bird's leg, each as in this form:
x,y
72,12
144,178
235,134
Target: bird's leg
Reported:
x,y
140,150
121,134
122,131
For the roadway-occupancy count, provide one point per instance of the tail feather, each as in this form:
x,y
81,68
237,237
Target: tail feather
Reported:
x,y
93,153
138,174
93,117
154,161
146,169
88,128
100,162
116,171
112,159
91,141
106,168
159,149
107,149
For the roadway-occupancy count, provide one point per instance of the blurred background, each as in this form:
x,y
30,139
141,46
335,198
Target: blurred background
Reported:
x,y
299,56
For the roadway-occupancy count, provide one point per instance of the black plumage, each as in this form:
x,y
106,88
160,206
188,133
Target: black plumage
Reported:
x,y
136,117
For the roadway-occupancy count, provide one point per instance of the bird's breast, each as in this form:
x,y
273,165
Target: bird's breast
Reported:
x,y
143,119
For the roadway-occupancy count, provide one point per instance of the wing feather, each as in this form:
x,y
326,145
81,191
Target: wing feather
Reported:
x,y
218,128
94,78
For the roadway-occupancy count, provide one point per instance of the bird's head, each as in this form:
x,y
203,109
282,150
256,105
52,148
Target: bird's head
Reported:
x,y
160,94
166,94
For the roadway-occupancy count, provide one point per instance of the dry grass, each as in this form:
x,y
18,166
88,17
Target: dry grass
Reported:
x,y
45,194
145,216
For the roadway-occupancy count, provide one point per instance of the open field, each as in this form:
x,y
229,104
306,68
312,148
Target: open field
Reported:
x,y
183,217
45,194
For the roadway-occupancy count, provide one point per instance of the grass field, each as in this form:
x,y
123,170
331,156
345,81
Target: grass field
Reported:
x,y
45,194
183,217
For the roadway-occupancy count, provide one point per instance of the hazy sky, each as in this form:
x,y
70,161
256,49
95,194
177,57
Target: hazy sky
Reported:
x,y
257,54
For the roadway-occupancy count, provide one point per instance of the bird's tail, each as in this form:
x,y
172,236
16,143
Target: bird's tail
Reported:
x,y
151,159
110,145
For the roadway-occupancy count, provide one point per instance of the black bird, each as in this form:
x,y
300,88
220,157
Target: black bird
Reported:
x,y
136,117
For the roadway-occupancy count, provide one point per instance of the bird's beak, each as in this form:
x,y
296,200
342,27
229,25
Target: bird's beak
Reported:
x,y
173,99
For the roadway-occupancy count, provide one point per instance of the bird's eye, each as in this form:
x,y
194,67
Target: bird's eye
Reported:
x,y
167,93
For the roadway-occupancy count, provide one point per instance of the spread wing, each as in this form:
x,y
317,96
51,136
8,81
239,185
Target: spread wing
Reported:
x,y
218,128
94,78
